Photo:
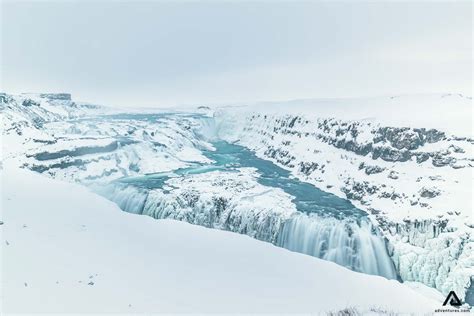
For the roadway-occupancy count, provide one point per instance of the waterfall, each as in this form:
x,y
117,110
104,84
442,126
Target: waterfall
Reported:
x,y
128,198
345,242
214,212
207,128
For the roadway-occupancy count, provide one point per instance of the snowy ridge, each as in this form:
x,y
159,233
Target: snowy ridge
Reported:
x,y
416,183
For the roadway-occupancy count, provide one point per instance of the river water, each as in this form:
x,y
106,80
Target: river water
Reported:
x,y
326,226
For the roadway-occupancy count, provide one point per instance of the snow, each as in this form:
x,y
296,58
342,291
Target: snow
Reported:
x,y
342,166
65,249
449,112
71,144
149,146
430,236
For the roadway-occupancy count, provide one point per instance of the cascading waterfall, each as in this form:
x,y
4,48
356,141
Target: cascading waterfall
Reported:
x,y
128,198
345,242
346,237
214,212
207,128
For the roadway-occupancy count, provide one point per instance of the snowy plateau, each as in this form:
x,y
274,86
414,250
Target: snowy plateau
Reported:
x,y
380,186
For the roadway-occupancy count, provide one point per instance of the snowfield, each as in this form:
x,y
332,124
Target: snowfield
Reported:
x,y
400,161
66,249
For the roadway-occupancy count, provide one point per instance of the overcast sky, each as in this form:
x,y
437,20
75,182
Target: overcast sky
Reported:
x,y
167,53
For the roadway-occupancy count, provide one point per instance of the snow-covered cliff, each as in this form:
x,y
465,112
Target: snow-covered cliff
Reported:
x,y
81,142
23,118
414,181
412,177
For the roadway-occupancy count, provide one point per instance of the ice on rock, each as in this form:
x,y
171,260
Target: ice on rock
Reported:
x,y
234,201
325,142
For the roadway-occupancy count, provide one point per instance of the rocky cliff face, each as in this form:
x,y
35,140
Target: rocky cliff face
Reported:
x,y
24,117
414,182
433,253
56,96
61,143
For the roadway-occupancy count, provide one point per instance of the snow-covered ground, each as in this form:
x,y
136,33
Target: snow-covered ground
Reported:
x,y
412,174
66,249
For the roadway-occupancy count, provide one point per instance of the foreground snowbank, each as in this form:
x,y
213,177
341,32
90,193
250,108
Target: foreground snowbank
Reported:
x,y
65,249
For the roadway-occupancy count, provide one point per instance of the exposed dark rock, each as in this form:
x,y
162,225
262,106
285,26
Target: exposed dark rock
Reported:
x,y
29,102
57,96
389,154
292,122
370,169
38,122
393,175
422,157
431,135
282,156
429,192
358,190
308,167
394,144
373,169
457,149
48,142
441,160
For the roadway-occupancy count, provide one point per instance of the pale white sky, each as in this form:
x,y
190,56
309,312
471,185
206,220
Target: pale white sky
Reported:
x,y
158,53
